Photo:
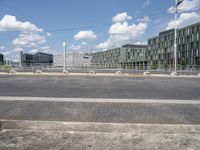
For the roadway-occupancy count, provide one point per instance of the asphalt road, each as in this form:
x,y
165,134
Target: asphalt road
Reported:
x,y
100,87
177,103
107,112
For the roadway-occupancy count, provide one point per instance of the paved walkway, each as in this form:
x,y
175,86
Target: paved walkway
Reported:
x,y
97,136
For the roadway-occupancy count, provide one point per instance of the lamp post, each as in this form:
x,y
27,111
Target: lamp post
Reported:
x,y
20,59
64,57
175,37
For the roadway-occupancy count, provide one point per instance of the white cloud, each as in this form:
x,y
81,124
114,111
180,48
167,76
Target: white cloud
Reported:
x,y
2,47
146,3
6,53
184,20
34,51
123,33
171,10
17,49
187,5
141,43
28,39
75,47
84,43
46,49
49,34
85,35
10,23
144,19
121,17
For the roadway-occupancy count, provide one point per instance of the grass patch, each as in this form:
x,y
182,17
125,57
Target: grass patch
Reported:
x,y
5,67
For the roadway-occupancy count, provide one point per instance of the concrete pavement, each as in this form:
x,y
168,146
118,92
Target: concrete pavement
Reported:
x,y
97,136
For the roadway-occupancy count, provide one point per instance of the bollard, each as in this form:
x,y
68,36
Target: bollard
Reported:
x,y
118,73
146,73
12,71
92,72
38,71
174,74
65,72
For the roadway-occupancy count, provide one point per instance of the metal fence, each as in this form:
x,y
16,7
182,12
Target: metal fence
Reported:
x,y
109,67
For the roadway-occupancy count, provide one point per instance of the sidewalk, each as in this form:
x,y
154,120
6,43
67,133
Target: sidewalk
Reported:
x,y
97,136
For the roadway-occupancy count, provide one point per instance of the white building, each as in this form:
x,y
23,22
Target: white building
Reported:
x,y
73,59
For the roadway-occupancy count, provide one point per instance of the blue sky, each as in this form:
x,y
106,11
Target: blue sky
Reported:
x,y
139,20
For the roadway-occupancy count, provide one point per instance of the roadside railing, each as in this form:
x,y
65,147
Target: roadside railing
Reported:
x,y
124,67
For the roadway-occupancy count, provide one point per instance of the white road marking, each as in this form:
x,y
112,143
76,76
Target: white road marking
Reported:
x,y
96,100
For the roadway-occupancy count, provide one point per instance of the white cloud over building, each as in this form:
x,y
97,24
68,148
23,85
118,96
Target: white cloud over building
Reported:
x,y
122,33
85,36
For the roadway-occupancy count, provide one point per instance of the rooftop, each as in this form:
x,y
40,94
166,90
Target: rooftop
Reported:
x,y
134,46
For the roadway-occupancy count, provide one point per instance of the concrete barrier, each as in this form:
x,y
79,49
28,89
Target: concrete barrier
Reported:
x,y
65,72
118,73
38,71
12,71
92,72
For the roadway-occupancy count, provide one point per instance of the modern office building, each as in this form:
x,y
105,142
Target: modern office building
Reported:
x,y
43,58
1,59
161,48
73,59
36,59
128,56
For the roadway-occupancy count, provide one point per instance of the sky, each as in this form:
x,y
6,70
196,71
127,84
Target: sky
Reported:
x,y
86,25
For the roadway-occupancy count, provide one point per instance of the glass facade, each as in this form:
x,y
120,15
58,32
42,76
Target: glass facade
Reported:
x,y
1,59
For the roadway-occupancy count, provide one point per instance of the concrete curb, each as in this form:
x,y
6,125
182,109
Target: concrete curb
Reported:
x,y
103,75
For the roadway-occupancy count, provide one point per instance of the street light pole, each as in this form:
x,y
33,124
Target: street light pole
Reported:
x,y
20,59
175,41
64,57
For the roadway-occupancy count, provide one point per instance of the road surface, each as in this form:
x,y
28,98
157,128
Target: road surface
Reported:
x,y
100,87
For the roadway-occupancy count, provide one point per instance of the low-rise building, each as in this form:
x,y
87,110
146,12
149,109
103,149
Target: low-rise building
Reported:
x,y
40,59
1,59
161,48
43,58
126,57
73,59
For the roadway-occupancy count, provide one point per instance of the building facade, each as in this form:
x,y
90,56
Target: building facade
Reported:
x,y
41,59
127,56
73,59
1,59
161,48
